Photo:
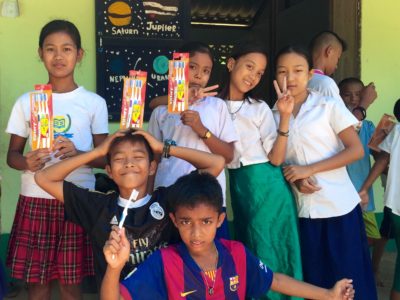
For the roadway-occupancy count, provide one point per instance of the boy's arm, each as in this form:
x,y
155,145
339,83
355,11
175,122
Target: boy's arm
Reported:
x,y
281,283
110,285
51,179
204,161
378,168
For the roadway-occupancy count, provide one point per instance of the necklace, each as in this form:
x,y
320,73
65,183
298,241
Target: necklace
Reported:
x,y
233,113
210,288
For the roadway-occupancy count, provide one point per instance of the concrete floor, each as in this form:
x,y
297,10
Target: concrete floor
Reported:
x,y
386,274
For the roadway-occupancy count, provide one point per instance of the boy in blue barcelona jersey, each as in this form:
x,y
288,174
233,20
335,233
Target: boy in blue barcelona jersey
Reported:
x,y
200,267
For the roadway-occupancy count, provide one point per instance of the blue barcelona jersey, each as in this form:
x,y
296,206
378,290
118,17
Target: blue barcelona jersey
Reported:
x,y
171,273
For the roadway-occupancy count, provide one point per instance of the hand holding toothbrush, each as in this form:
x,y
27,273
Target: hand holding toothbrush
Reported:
x,y
36,160
117,248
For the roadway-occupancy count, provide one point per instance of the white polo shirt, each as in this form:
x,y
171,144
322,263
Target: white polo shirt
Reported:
x,y
324,85
256,128
162,125
314,137
391,145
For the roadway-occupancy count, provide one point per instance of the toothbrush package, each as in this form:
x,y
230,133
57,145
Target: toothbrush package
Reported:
x,y
41,106
133,100
178,83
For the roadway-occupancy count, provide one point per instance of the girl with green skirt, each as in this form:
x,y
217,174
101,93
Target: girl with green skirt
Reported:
x,y
265,215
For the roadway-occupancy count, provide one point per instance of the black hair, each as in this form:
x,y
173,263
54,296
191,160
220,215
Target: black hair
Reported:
x,y
60,26
194,189
325,37
132,138
237,52
197,47
297,49
396,110
349,80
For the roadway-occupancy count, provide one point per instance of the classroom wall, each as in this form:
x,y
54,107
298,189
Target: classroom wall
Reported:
x,y
20,66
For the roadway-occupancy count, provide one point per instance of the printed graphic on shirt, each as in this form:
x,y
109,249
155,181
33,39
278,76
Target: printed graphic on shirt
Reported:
x,y
114,221
156,211
62,125
234,283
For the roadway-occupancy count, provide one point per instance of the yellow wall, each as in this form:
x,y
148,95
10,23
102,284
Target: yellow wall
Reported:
x,y
380,59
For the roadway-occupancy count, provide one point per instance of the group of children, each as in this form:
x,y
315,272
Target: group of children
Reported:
x,y
303,220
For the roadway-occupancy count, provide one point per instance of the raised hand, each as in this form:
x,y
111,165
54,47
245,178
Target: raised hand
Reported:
x,y
196,93
368,95
285,102
117,249
192,118
64,148
105,145
155,144
343,290
37,159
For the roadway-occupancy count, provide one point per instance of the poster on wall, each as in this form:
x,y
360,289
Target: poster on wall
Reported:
x,y
137,35
142,19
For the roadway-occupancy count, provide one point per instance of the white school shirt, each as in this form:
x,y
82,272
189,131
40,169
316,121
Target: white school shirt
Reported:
x,y
313,136
324,85
162,125
77,115
256,128
391,145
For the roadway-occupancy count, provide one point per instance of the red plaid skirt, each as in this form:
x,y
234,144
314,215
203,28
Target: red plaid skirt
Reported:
x,y
43,246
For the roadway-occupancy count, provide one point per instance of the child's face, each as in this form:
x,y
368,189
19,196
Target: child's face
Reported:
x,y
295,68
245,73
351,94
200,66
130,167
197,226
60,55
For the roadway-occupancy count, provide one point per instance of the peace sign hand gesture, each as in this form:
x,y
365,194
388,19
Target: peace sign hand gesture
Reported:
x,y
285,102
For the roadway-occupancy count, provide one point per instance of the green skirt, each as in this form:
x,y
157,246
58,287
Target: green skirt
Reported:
x,y
265,218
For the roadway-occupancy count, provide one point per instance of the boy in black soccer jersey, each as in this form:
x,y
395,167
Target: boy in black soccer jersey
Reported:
x,y
130,163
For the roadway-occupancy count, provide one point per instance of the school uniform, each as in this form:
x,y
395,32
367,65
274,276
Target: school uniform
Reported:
x,y
332,232
172,274
163,125
391,145
323,85
263,205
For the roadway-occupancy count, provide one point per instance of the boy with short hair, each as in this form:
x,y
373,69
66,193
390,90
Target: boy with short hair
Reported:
x,y
130,163
201,266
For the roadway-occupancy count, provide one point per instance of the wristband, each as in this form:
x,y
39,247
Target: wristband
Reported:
x,y
362,110
283,133
207,135
167,146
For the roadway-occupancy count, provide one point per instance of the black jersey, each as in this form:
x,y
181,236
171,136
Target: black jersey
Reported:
x,y
147,228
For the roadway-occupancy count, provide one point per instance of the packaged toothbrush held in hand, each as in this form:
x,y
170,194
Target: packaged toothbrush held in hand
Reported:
x,y
178,83
41,120
133,100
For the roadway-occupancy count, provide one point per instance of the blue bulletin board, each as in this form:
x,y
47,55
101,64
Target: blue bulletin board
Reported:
x,y
140,35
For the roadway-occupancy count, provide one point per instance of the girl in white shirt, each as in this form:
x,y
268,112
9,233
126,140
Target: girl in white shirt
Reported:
x,y
263,206
43,247
322,141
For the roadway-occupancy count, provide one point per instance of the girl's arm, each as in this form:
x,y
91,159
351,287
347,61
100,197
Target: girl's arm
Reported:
x,y
192,118
157,101
353,150
378,168
283,284
285,104
32,161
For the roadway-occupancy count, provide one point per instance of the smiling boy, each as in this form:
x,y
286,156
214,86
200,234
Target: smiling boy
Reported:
x,y
130,163
201,267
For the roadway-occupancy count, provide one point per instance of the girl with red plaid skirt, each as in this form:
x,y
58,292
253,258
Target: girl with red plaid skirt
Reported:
x,y
42,246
